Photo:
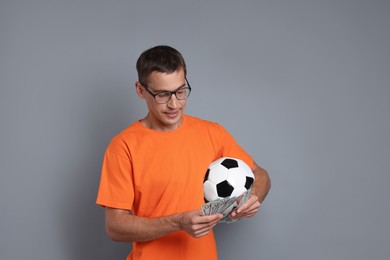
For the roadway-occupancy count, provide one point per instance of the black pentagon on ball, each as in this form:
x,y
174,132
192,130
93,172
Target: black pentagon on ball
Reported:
x,y
207,175
230,163
224,189
249,182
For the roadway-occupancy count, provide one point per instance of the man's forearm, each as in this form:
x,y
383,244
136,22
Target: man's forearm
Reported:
x,y
124,227
262,183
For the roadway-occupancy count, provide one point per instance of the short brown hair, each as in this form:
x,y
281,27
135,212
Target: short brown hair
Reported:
x,y
160,58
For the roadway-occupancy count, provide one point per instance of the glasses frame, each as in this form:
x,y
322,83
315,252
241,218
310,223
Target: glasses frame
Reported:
x,y
171,92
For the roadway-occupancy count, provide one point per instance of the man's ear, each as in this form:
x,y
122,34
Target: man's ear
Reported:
x,y
140,90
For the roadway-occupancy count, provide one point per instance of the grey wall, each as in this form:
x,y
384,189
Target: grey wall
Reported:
x,y
302,85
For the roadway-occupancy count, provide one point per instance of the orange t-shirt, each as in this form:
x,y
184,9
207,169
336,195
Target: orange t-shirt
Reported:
x,y
154,174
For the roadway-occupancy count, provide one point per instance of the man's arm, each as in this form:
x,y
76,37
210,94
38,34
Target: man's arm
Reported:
x,y
260,189
262,183
122,226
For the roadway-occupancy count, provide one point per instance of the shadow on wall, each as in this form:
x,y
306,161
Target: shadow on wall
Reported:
x,y
104,112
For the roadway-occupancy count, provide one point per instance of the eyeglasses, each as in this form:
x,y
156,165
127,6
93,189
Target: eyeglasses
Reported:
x,y
163,97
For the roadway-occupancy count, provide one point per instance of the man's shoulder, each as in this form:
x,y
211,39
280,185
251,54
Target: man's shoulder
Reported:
x,y
127,134
205,126
199,121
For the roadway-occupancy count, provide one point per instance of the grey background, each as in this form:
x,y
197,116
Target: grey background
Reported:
x,y
302,85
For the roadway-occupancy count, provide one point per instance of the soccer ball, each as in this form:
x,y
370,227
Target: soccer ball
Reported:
x,y
226,178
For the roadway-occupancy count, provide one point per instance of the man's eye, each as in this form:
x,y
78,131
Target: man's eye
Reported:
x,y
164,94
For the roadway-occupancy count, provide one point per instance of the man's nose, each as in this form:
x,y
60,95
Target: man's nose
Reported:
x,y
173,102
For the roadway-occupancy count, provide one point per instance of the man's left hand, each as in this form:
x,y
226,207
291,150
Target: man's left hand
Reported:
x,y
248,209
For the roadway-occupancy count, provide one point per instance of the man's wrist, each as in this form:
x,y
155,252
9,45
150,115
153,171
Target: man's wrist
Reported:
x,y
177,221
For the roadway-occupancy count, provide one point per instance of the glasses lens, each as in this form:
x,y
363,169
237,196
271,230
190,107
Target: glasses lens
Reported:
x,y
163,97
182,93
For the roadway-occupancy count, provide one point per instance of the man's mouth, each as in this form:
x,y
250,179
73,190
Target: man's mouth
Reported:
x,y
172,114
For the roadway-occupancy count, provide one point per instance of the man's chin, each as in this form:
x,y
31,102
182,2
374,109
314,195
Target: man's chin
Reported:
x,y
173,120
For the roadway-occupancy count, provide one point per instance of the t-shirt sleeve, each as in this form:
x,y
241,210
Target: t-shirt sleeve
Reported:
x,y
116,182
228,147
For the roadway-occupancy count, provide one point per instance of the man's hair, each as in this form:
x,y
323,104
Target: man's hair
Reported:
x,y
162,58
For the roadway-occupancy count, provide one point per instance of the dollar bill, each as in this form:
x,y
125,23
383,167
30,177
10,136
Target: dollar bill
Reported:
x,y
225,206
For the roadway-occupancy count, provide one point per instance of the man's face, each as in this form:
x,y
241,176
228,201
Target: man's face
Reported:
x,y
168,116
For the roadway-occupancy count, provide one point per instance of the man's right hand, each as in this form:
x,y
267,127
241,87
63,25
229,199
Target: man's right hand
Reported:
x,y
196,224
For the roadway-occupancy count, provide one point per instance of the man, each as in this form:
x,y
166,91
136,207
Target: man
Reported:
x,y
152,175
